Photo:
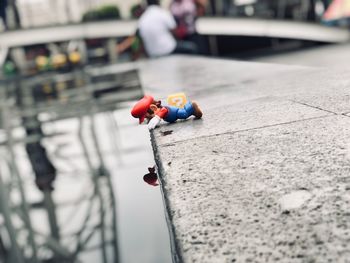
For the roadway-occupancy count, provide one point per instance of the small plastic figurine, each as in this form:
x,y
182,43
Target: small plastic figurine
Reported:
x,y
178,108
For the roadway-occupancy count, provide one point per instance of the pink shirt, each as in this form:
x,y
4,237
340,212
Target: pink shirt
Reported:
x,y
185,13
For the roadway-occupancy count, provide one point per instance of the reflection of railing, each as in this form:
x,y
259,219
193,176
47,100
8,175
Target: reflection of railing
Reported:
x,y
67,94
93,211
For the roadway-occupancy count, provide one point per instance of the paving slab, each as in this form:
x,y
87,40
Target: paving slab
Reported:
x,y
327,56
336,102
203,77
225,82
332,90
262,112
275,194
264,176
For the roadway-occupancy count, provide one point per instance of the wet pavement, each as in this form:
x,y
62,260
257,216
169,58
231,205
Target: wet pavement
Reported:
x,y
263,177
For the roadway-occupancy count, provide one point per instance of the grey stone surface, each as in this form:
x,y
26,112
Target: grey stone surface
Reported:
x,y
323,56
272,194
242,116
264,176
200,78
214,81
332,101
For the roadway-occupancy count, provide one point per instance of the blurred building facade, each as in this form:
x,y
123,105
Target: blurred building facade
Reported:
x,y
35,13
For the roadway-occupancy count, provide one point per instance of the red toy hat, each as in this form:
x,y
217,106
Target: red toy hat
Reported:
x,y
141,107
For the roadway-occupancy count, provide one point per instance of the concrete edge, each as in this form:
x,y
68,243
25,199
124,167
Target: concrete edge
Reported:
x,y
175,248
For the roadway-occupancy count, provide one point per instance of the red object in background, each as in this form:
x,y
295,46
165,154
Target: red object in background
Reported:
x,y
151,178
181,32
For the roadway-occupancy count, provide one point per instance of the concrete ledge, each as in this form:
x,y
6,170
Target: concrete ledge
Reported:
x,y
271,28
264,176
205,26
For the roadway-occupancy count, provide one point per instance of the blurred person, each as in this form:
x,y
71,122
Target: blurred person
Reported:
x,y
156,28
186,13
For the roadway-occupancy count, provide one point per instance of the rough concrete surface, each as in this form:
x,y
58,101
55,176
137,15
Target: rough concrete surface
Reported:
x,y
230,195
324,56
243,116
264,176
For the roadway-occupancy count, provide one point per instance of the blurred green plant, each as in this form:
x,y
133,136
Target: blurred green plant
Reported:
x,y
107,12
9,68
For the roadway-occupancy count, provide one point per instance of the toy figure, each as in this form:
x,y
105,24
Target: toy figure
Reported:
x,y
178,108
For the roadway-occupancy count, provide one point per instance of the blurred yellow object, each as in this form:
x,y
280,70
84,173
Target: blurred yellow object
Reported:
x,y
41,62
177,100
47,88
74,57
59,60
61,86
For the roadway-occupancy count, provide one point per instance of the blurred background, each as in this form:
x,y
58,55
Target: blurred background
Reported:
x,y
75,183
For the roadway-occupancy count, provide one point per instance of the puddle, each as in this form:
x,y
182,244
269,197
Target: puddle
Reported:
x,y
74,211
72,156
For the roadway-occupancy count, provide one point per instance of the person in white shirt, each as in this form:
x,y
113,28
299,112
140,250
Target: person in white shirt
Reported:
x,y
156,27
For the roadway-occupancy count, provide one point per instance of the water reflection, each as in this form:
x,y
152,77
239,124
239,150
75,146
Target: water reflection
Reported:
x,y
66,224
58,166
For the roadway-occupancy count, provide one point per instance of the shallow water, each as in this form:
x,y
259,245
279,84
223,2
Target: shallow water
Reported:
x,y
84,214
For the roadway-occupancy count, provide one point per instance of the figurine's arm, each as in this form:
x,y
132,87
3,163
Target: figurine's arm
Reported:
x,y
161,114
154,122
